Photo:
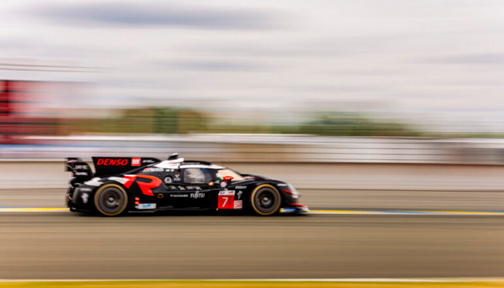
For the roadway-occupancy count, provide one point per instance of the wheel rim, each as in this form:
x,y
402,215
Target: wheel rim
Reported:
x,y
111,200
266,200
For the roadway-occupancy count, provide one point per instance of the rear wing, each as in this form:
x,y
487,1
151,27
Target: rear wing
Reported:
x,y
79,168
106,166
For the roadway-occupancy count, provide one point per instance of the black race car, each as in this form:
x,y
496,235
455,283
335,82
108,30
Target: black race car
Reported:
x,y
138,184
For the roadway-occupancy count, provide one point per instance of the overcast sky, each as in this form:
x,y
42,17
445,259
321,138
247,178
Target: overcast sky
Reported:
x,y
419,60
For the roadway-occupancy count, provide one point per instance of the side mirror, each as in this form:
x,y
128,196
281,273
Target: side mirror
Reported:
x,y
227,178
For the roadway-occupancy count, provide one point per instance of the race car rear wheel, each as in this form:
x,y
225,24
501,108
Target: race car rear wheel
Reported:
x,y
111,200
265,200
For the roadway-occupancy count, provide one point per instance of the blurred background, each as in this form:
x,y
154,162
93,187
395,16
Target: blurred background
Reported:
x,y
359,104
350,81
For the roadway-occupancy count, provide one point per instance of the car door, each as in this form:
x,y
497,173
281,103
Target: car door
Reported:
x,y
196,183
173,194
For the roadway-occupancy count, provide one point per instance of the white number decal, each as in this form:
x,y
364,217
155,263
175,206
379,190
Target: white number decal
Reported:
x,y
225,201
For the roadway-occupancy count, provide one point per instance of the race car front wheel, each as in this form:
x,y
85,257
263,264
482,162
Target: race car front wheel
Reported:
x,y
265,200
111,200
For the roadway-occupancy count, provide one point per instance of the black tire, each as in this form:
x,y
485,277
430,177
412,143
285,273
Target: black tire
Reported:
x,y
265,200
111,200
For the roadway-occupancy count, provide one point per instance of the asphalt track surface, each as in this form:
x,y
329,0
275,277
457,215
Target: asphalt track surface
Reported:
x,y
201,245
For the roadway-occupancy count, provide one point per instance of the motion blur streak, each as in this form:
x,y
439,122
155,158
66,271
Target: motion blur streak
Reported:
x,y
356,212
4,209
386,116
66,246
383,212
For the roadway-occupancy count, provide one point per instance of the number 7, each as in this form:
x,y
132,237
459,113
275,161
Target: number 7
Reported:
x,y
225,201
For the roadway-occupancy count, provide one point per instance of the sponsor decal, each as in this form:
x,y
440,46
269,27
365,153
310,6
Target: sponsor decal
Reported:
x,y
168,170
179,195
239,194
168,180
177,177
85,198
227,192
197,195
81,167
223,184
173,187
81,173
238,204
112,162
282,184
136,161
147,161
146,206
153,169
84,189
287,210
241,187
193,188
181,188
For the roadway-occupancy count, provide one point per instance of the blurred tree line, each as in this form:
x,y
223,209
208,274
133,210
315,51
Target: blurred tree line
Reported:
x,y
163,120
166,120
351,124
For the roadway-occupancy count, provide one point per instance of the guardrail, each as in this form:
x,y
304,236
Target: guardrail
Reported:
x,y
267,148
